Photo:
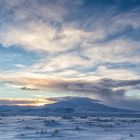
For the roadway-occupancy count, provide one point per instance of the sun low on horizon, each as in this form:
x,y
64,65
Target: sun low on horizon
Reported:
x,y
54,49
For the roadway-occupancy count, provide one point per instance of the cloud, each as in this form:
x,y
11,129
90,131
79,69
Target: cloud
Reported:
x,y
61,62
116,51
45,37
32,10
108,91
85,86
20,66
40,28
25,102
77,45
66,43
118,74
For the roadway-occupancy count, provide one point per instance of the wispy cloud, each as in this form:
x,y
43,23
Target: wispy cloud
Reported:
x,y
25,102
72,85
75,41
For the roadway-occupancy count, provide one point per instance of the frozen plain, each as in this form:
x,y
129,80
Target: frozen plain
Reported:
x,y
69,128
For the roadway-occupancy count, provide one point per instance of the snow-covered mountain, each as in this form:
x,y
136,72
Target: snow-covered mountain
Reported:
x,y
82,105
73,105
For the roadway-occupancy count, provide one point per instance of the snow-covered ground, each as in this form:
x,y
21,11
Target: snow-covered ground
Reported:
x,y
69,128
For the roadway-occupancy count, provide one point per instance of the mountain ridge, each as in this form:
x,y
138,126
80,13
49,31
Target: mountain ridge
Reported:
x,y
72,106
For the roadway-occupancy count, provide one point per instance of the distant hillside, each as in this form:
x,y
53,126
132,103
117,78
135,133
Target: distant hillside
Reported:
x,y
71,106
83,105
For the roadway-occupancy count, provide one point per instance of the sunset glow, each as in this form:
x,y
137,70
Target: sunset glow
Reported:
x,y
60,48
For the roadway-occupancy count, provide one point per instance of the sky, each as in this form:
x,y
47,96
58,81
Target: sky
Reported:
x,y
58,48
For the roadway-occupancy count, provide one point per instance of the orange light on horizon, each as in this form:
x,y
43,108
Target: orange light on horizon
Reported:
x,y
26,102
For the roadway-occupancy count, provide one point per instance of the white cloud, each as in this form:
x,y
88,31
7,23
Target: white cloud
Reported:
x,y
60,62
115,51
119,74
63,59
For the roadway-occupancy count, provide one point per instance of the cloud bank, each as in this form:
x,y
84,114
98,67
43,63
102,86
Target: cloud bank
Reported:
x,y
72,46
